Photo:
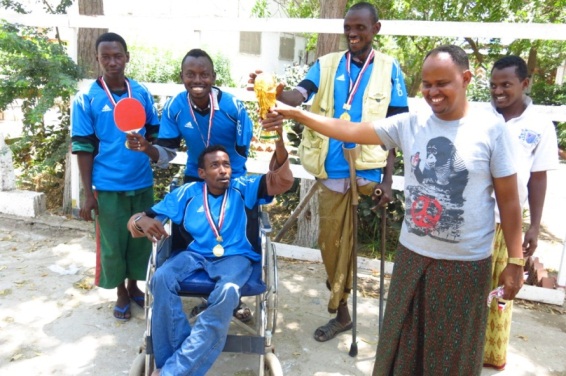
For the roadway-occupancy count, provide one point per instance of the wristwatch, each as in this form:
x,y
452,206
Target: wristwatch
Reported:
x,y
516,261
136,222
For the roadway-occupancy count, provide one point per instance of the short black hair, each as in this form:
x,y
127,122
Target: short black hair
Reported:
x,y
111,37
457,54
197,52
365,5
519,63
208,150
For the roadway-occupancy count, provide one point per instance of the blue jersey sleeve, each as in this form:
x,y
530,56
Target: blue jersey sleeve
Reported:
x,y
398,89
150,111
313,75
245,127
174,203
83,124
169,127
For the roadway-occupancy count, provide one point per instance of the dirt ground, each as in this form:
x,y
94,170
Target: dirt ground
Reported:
x,y
52,321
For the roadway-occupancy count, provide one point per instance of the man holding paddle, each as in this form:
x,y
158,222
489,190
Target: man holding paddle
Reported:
x,y
117,181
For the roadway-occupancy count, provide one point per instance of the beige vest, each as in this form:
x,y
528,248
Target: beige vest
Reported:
x,y
377,95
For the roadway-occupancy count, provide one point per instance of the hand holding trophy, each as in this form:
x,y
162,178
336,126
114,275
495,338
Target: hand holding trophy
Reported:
x,y
265,87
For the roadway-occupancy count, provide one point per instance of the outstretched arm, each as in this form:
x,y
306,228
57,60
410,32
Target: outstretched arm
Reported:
x,y
359,133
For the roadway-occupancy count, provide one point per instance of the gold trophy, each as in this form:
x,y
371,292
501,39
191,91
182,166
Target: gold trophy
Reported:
x,y
265,88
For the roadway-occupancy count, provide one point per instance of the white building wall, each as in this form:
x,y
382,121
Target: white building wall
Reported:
x,y
183,38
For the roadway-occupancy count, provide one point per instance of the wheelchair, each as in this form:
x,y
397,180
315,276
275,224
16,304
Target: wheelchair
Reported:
x,y
262,284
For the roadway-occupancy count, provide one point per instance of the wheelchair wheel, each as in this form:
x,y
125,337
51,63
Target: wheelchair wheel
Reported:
x,y
272,365
272,302
138,365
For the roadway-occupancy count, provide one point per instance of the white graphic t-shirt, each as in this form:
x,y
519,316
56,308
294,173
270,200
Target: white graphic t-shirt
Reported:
x,y
449,167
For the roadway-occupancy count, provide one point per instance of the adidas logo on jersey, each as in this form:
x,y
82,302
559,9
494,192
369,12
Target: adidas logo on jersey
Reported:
x,y
106,108
341,78
189,125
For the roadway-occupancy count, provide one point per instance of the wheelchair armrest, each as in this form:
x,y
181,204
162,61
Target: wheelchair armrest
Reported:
x,y
162,249
264,223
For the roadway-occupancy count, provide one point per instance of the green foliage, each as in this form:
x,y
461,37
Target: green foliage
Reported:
x,y
222,68
18,7
552,95
261,9
150,64
39,73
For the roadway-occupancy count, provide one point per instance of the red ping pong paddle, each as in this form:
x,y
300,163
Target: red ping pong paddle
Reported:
x,y
129,115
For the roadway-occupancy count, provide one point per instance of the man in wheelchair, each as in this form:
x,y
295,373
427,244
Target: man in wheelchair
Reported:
x,y
213,214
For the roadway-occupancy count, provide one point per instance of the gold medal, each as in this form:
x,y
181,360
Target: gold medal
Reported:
x,y
218,250
345,116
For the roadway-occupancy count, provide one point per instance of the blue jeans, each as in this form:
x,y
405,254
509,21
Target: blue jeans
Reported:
x,y
178,348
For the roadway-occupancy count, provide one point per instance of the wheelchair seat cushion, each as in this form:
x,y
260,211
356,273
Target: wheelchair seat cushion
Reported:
x,y
200,284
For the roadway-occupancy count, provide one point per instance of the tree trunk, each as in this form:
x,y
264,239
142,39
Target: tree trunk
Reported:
x,y
330,42
307,223
86,59
87,38
67,190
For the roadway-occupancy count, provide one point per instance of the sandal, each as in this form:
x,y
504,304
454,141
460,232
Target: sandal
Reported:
x,y
198,309
122,314
139,300
330,330
243,313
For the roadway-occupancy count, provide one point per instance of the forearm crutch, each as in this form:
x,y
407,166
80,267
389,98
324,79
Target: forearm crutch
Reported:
x,y
351,155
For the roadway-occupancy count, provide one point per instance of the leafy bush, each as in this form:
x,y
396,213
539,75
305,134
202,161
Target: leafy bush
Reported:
x,y
38,72
551,95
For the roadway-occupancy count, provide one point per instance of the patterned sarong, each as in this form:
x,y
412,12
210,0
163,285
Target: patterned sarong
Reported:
x,y
498,321
435,317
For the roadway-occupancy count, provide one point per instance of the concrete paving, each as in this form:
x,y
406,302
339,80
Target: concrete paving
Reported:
x,y
53,322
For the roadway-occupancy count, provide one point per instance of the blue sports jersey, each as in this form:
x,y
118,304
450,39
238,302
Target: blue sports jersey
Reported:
x,y
115,168
336,165
185,205
231,128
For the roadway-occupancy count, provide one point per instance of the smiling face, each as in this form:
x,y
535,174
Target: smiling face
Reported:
x,y
360,28
198,77
216,172
112,59
444,86
507,89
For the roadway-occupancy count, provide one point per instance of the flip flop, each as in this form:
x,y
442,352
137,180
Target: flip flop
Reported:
x,y
330,330
139,300
243,313
197,309
122,314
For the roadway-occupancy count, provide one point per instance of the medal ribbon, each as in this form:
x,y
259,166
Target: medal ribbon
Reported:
x,y
215,229
109,93
355,85
206,143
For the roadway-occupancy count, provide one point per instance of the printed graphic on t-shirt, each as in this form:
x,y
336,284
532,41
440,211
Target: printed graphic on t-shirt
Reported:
x,y
434,206
529,138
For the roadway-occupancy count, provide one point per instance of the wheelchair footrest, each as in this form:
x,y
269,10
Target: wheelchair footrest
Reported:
x,y
245,344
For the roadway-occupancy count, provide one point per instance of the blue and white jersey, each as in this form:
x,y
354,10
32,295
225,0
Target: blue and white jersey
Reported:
x,y
185,206
336,165
115,168
231,128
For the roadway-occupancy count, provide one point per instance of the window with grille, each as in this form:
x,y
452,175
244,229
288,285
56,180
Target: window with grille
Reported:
x,y
250,42
287,47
